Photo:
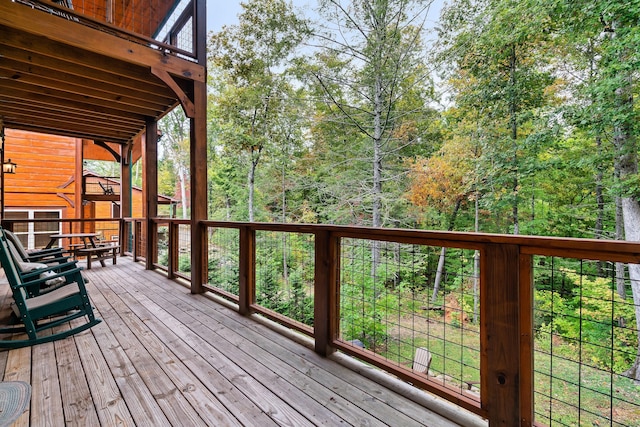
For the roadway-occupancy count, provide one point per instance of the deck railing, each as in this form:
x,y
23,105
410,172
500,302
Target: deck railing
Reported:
x,y
161,24
34,233
522,330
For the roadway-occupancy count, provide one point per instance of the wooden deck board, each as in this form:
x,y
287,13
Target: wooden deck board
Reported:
x,y
46,398
163,356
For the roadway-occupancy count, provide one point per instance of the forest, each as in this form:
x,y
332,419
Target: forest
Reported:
x,y
504,116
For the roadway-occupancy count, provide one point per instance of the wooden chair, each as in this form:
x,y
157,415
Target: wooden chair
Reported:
x,y
33,256
45,311
422,360
52,269
106,190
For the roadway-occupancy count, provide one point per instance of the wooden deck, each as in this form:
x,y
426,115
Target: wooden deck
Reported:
x,y
165,357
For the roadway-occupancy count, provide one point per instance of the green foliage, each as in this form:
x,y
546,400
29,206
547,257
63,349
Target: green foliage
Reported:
x,y
184,263
590,319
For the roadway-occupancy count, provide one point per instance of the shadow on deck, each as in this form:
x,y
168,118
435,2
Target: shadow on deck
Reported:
x,y
165,357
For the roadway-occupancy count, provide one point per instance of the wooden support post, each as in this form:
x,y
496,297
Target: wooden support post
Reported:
x,y
526,300
151,193
79,179
500,335
2,201
326,310
125,190
198,151
247,291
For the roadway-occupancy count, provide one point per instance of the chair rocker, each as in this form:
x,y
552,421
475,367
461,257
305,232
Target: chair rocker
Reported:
x,y
45,311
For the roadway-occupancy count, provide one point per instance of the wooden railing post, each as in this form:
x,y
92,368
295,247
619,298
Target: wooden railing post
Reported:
x,y
501,353
326,309
247,265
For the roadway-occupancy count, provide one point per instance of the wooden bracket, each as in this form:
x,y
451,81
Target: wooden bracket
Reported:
x,y
187,104
103,144
66,199
126,153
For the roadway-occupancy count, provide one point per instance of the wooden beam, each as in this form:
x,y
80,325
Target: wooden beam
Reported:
x,y
52,100
326,310
125,191
150,185
61,81
198,187
47,115
500,335
60,96
25,19
526,301
40,51
79,178
247,270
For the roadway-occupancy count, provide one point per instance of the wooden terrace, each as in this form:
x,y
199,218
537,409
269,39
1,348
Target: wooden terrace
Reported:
x,y
164,356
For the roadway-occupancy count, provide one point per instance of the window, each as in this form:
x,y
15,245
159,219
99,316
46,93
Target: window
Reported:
x,y
35,234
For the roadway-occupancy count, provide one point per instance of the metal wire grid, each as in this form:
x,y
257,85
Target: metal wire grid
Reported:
x,y
223,264
184,250
285,273
389,308
163,245
586,338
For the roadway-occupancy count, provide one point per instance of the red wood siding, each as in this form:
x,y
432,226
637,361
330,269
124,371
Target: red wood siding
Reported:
x,y
46,164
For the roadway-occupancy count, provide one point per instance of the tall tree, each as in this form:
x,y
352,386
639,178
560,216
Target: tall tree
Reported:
x,y
175,148
375,83
497,45
254,55
612,91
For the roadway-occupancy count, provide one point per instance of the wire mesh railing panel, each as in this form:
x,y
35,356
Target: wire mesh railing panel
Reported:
x,y
405,301
141,239
586,340
223,262
162,243
184,250
285,265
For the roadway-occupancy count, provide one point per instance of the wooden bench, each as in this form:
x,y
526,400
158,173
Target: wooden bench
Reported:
x,y
100,253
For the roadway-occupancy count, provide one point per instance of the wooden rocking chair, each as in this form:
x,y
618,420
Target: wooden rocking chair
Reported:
x,y
45,311
43,255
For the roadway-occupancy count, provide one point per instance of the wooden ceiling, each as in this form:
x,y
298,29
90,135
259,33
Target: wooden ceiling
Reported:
x,y
62,77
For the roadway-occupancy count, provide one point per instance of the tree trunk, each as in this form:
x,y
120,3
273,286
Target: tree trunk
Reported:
x,y
627,161
476,263
376,220
285,265
183,192
620,280
443,253
513,109
599,226
631,210
439,274
250,184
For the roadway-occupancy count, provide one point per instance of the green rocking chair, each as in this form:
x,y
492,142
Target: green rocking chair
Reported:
x,y
45,311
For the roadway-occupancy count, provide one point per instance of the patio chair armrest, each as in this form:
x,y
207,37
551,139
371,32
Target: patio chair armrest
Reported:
x,y
60,260
41,280
45,252
65,268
